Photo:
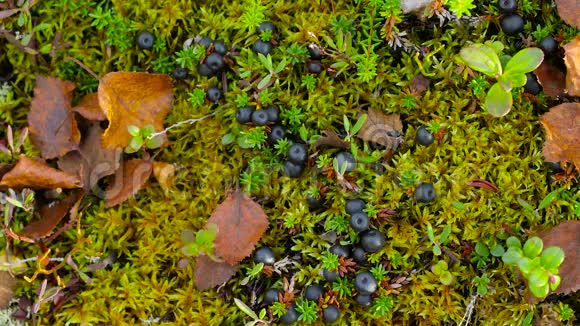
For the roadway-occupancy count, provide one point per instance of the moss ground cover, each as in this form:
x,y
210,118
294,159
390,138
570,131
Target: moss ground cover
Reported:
x,y
372,54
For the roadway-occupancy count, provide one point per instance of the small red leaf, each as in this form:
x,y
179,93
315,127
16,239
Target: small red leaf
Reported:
x,y
481,183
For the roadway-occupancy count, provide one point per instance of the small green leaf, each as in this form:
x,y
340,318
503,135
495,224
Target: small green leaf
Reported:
x,y
555,282
482,289
445,233
524,61
458,205
497,46
498,102
525,265
187,236
359,124
280,66
439,267
482,58
539,277
533,247
497,250
266,61
552,257
303,133
247,310
540,291
436,250
133,130
346,123
505,83
134,145
41,27
481,249
190,249
14,202
446,278
147,131
528,320
264,81
513,242
525,205
512,256
430,233
46,48
548,199
517,80
227,138
154,142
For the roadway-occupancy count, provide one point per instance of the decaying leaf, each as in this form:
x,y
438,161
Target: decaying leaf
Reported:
x,y
419,84
552,79
330,138
133,98
52,126
386,130
89,108
91,162
164,173
569,11
240,224
208,273
30,173
572,60
562,125
50,215
7,284
129,178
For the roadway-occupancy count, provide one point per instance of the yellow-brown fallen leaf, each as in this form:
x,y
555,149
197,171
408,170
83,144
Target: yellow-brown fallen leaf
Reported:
x,y
562,125
164,173
89,108
382,129
552,79
208,273
50,215
129,178
30,173
330,137
133,98
572,60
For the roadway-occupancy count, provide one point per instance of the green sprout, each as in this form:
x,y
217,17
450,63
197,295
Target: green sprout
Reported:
x,y
200,243
143,137
440,269
308,310
482,284
442,239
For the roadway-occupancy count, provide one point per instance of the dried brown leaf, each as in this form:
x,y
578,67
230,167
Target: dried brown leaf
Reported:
x,y
569,11
50,215
240,224
330,138
33,174
562,125
164,173
572,60
53,128
419,84
129,178
208,273
382,129
7,285
89,108
552,79
133,98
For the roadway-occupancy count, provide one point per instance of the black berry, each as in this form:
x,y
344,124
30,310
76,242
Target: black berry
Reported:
x,y
264,255
314,67
180,73
204,70
359,221
214,94
273,113
355,206
424,137
314,203
271,296
276,133
365,283
330,276
220,47
345,158
548,45
339,250
290,316
293,170
260,117
266,26
508,6
215,62
145,40
532,86
358,254
205,42
512,24
364,300
262,47
314,292
298,153
331,313
244,114
372,240
425,193
314,51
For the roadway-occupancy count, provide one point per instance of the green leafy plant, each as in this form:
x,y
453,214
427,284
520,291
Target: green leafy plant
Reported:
x,y
484,58
538,265
440,269
196,97
343,285
257,319
482,253
442,238
254,176
382,306
566,313
272,72
482,284
143,136
460,7
308,310
199,243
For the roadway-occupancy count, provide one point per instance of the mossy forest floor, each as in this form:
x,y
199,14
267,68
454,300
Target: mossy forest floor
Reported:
x,y
145,282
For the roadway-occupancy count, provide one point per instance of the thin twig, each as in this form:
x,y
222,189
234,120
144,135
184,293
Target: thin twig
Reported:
x,y
189,121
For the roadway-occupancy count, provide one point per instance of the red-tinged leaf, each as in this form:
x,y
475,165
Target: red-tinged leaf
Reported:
x,y
208,273
562,125
330,137
481,183
50,215
552,79
129,178
53,128
572,61
33,174
240,224
89,108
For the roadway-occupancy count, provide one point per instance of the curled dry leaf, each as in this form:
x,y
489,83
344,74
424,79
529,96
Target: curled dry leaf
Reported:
x,y
240,224
562,125
33,174
383,129
164,173
572,60
552,79
330,137
481,183
52,126
209,273
569,11
129,178
89,108
50,215
133,98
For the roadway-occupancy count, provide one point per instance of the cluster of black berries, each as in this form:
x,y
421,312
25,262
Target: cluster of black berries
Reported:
x,y
261,46
371,240
262,117
314,65
214,62
297,156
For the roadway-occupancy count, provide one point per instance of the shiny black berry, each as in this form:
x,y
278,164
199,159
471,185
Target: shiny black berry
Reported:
x,y
354,206
262,47
273,113
512,24
260,118
264,255
331,313
548,45
205,42
214,94
314,292
204,70
359,256
365,283
215,62
508,6
271,296
314,67
298,153
145,40
276,133
266,26
293,170
244,114
340,250
220,47
180,73
372,240
346,158
364,300
359,221
290,316
425,193
314,203
330,276
532,86
424,137
314,51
